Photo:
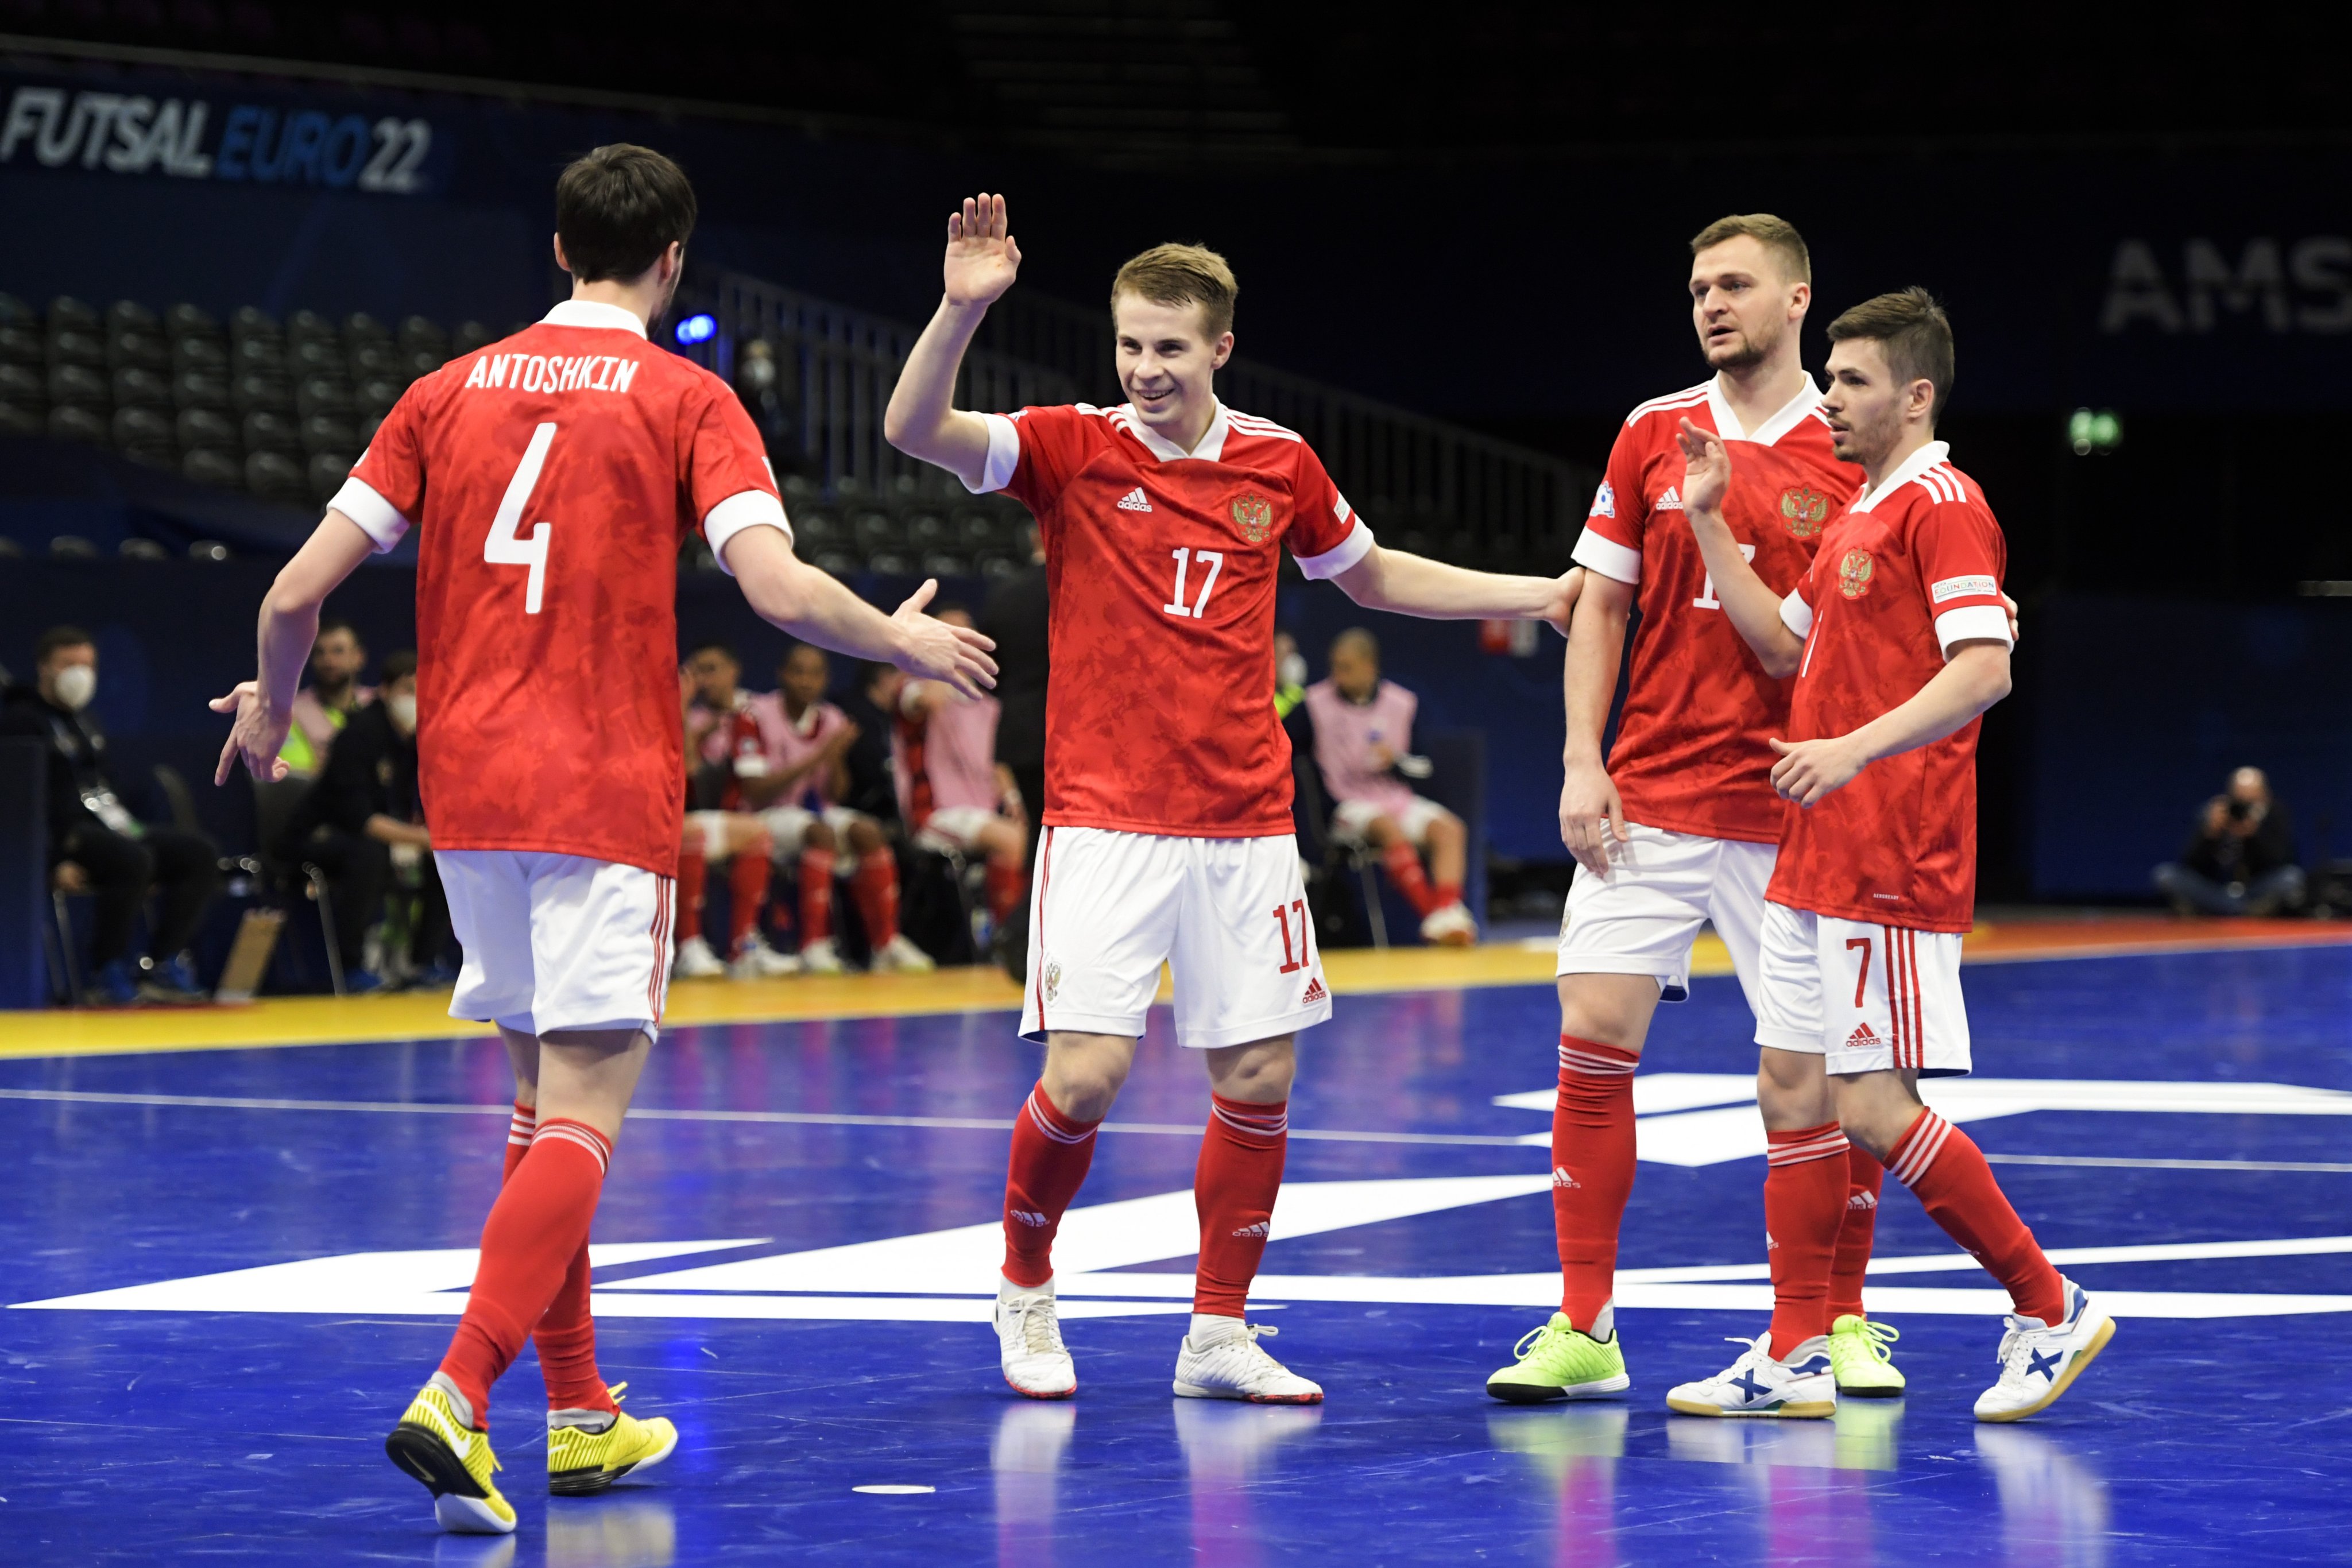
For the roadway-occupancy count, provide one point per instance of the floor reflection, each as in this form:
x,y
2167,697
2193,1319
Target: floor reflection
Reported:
x,y
1228,1446
613,1532
1027,1450
1803,1510
2053,1502
1574,1451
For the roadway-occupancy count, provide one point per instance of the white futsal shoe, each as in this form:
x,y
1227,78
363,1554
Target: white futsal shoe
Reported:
x,y
758,961
1451,927
2038,1360
902,956
820,957
1029,1342
1221,1359
696,961
1759,1383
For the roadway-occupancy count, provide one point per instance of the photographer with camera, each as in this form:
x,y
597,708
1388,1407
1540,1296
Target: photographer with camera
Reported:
x,y
2241,859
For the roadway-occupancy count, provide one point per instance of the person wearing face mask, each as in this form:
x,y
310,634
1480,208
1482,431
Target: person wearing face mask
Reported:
x,y
362,823
96,846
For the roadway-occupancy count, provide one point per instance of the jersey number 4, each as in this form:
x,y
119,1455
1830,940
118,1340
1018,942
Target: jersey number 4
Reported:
x,y
1214,561
506,546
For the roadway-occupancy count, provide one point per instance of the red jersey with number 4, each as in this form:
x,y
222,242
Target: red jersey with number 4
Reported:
x,y
552,478
1161,565
1691,755
1912,568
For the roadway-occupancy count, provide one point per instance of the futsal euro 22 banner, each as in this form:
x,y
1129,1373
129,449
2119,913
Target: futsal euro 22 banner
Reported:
x,y
230,136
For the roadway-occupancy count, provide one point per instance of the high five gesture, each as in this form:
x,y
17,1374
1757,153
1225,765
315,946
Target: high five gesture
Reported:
x,y
982,256
923,420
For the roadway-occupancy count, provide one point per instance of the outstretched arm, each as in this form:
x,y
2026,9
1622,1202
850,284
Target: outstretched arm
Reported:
x,y
1975,676
264,706
923,420
1415,585
1754,608
789,593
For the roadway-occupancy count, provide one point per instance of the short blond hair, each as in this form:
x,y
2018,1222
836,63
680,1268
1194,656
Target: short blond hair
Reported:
x,y
1774,234
1181,275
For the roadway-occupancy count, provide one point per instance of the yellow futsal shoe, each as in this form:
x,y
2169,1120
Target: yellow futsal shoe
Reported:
x,y
437,1442
1859,1357
588,1450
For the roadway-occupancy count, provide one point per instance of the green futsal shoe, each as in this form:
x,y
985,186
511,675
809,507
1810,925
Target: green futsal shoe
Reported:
x,y
1560,1361
1859,1357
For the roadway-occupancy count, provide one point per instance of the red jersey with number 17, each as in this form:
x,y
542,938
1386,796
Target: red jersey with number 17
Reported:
x,y
552,478
1911,570
1160,566
1691,754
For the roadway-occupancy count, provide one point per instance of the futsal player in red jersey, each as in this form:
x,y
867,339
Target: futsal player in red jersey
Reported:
x,y
551,479
1167,829
1678,827
1899,639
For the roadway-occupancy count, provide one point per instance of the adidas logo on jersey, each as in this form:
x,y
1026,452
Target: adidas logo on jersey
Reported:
x,y
1560,1180
1315,993
1036,1221
1669,502
1135,501
1863,1200
1258,1231
1770,1245
1862,1039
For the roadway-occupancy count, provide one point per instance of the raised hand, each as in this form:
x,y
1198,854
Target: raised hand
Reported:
x,y
983,259
1707,468
936,650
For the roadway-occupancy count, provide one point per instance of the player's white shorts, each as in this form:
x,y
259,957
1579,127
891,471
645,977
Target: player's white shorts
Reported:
x,y
788,825
1641,918
1228,916
1864,997
954,827
557,942
1351,820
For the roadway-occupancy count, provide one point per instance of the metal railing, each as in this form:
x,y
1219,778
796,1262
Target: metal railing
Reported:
x,y
1465,494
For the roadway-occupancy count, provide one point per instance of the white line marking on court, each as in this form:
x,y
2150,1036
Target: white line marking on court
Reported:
x,y
2126,1163
894,1491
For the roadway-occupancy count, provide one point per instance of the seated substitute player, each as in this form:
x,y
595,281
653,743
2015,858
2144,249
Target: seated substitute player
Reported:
x,y
1167,813
552,478
1899,640
953,794
1363,740
1679,827
723,738
808,740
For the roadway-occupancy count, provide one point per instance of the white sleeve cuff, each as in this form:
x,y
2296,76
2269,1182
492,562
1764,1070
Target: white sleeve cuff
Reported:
x,y
377,517
1003,455
1340,557
1607,556
743,509
1797,615
1972,623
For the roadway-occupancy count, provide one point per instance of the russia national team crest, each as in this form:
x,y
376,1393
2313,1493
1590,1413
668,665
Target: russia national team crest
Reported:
x,y
1854,573
1254,515
1804,509
1053,978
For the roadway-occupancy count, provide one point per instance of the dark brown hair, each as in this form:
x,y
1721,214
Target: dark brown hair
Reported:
x,y
618,209
1912,330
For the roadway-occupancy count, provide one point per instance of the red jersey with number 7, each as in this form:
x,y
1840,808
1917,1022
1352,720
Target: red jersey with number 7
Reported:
x,y
1912,569
551,479
1160,567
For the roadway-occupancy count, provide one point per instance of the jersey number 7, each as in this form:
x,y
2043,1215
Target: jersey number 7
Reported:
x,y
506,546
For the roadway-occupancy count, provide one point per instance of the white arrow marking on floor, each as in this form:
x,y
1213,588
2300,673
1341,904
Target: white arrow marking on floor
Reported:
x,y
1671,1132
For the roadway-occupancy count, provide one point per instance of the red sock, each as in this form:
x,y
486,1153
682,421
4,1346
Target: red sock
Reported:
x,y
1947,1172
691,870
1592,1171
876,888
1233,1188
816,896
747,890
1405,870
1004,884
540,1220
519,1133
566,1342
1051,1153
1448,893
1804,1202
1856,1232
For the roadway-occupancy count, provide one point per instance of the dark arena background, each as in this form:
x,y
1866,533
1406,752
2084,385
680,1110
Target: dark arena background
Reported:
x,y
251,1178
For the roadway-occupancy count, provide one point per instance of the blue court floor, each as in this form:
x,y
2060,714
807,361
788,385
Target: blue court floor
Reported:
x,y
229,1269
